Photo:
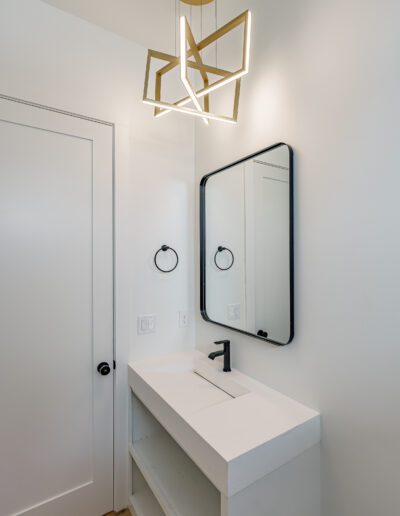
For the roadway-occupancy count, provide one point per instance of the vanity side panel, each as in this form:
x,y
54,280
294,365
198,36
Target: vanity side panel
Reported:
x,y
254,465
291,490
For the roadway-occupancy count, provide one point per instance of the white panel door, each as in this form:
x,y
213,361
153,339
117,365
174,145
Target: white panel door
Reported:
x,y
56,313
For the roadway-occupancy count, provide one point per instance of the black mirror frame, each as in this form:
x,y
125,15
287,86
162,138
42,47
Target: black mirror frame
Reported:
x,y
203,182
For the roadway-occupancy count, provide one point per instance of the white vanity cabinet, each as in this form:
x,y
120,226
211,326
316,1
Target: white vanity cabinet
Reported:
x,y
218,444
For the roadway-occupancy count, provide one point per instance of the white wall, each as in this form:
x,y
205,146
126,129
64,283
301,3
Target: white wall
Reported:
x,y
325,78
53,58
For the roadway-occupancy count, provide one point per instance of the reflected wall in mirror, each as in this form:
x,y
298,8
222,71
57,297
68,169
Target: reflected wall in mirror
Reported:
x,y
246,245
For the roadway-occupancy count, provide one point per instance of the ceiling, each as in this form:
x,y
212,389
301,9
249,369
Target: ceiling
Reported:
x,y
150,23
147,22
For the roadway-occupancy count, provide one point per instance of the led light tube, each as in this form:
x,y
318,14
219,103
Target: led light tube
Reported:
x,y
189,111
184,67
179,104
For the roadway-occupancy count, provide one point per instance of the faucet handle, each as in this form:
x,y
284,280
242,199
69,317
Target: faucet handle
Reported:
x,y
224,342
226,353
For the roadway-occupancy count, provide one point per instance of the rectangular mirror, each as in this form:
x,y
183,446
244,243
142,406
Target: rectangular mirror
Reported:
x,y
246,241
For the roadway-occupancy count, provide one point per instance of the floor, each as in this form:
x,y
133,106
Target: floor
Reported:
x,y
123,513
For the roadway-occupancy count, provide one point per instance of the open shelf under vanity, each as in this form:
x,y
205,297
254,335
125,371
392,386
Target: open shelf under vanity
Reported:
x,y
165,481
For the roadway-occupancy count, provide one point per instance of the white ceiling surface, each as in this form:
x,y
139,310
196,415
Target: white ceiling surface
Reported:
x,y
150,23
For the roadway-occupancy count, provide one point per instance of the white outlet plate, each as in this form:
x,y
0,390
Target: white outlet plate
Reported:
x,y
146,324
183,319
233,312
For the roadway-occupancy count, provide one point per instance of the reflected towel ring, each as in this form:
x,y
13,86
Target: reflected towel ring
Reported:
x,y
220,250
165,248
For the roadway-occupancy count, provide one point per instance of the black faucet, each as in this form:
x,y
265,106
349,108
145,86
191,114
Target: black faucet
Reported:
x,y
226,353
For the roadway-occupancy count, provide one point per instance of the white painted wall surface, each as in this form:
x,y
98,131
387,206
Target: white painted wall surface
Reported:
x,y
325,78
53,58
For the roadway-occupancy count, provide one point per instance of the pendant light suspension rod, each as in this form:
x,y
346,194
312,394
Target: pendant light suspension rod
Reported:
x,y
201,22
216,26
175,25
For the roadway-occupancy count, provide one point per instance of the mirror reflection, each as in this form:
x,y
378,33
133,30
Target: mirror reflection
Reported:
x,y
246,246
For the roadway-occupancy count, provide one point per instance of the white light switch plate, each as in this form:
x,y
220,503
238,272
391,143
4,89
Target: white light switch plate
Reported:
x,y
146,324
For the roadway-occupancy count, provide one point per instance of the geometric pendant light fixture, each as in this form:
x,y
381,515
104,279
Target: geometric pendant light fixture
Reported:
x,y
196,101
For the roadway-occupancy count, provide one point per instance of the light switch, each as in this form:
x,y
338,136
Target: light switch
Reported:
x,y
146,324
233,312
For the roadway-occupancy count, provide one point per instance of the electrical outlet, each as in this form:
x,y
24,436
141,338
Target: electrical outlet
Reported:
x,y
146,324
233,312
183,319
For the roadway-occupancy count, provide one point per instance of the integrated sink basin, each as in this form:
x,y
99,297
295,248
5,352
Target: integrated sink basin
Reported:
x,y
234,428
201,367
219,379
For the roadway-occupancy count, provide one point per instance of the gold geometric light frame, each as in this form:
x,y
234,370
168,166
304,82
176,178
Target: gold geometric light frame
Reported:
x,y
184,62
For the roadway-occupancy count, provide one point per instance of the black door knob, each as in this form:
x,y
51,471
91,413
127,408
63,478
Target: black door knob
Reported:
x,y
104,368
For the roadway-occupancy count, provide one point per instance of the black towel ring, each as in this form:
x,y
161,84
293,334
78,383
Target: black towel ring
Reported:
x,y
220,250
165,248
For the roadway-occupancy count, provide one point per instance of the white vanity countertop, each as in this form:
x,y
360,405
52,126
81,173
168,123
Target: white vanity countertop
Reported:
x,y
234,441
